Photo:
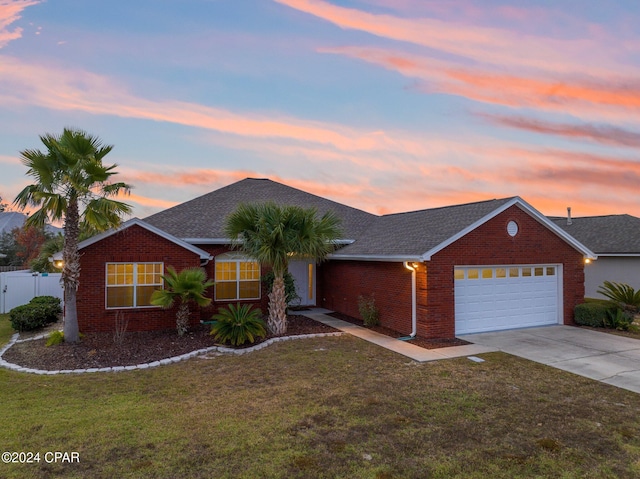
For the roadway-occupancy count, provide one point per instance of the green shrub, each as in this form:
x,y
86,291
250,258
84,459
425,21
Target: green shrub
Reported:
x,y
238,324
618,319
36,314
57,337
591,314
289,286
28,317
368,310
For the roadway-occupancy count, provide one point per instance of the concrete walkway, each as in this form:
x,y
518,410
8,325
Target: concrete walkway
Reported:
x,y
401,347
601,356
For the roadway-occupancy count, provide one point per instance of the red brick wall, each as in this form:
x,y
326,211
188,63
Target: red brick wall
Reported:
x,y
490,244
136,244
341,282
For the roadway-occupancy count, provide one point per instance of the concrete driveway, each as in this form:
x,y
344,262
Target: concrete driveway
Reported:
x,y
605,357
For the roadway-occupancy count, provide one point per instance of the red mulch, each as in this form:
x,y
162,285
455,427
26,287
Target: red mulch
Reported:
x,y
100,350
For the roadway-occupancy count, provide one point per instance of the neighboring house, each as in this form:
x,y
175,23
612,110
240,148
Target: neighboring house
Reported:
x,y
615,239
440,272
10,220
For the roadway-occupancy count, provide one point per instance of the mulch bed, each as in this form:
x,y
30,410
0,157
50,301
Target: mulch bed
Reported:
x,y
100,350
418,341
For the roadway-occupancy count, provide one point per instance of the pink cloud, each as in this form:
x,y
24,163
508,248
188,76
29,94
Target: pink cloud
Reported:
x,y
10,11
497,46
605,134
80,90
614,98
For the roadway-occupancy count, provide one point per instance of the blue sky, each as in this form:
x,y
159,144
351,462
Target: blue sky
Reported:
x,y
385,105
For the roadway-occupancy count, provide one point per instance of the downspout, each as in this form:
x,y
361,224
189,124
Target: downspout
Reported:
x,y
414,320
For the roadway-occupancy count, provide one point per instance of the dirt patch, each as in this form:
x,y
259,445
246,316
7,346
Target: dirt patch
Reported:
x,y
100,350
418,341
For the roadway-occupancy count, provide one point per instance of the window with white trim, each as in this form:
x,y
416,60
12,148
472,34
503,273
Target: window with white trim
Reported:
x,y
237,277
130,285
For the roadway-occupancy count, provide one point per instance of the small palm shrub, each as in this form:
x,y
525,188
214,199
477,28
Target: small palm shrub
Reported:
x,y
368,310
238,324
187,286
618,319
622,295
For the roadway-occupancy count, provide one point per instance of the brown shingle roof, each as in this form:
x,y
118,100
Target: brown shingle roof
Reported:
x,y
204,217
416,232
395,236
611,234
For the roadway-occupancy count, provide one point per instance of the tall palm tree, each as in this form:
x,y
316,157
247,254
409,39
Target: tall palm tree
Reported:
x,y
189,285
272,234
72,185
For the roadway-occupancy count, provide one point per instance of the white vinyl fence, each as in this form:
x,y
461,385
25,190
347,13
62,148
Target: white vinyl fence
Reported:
x,y
19,287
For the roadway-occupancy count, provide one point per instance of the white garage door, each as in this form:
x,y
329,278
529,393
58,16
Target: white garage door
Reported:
x,y
490,298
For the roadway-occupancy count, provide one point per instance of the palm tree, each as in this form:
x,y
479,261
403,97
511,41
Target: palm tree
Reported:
x,y
272,235
72,185
189,285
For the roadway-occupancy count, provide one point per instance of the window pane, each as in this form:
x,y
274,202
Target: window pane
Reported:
x,y
514,272
249,270
501,273
472,274
551,271
226,271
120,297
225,291
458,273
538,271
143,295
249,289
487,273
526,271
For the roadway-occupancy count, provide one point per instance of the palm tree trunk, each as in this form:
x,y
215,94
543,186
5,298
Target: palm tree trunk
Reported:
x,y
277,321
71,271
182,318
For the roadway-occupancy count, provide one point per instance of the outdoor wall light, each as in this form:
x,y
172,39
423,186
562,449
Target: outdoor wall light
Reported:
x,y
587,261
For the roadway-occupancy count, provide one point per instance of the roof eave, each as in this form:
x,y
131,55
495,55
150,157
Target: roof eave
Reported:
x,y
137,221
372,257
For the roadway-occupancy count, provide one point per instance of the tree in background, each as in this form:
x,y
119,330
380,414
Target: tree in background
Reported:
x,y
272,234
29,240
74,186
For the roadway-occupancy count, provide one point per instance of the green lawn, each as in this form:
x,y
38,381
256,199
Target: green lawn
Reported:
x,y
328,407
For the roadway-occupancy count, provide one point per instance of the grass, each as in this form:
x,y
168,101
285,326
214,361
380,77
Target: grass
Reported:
x,y
323,408
6,331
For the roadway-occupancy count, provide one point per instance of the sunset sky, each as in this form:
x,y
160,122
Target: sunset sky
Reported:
x,y
384,105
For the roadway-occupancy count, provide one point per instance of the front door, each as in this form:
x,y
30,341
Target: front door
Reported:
x,y
304,276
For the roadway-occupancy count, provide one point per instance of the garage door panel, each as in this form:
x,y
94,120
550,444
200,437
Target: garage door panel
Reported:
x,y
505,297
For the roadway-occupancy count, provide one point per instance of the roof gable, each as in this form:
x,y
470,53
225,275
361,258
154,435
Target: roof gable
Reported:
x,y
136,221
418,235
202,219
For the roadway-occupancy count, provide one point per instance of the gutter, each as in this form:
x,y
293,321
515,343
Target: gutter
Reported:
x,y
414,316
